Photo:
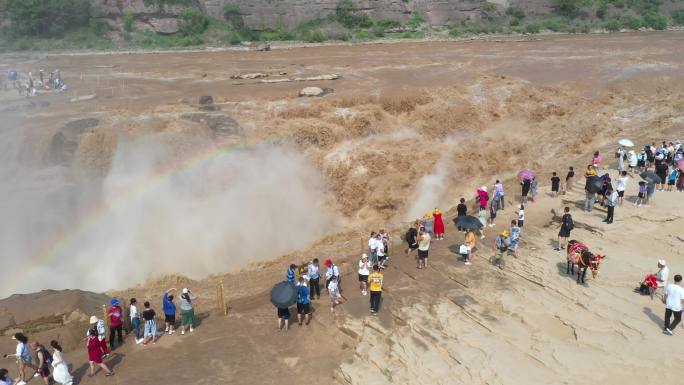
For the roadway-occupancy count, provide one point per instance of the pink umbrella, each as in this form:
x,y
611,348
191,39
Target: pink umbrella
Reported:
x,y
680,164
525,175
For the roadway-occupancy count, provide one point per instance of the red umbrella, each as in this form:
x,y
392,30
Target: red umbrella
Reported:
x,y
525,175
680,164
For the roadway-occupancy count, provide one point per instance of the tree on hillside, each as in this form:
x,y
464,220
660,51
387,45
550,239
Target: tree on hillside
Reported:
x,y
570,8
47,17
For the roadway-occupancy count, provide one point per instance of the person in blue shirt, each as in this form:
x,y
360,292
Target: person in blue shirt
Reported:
x,y
169,311
303,302
290,275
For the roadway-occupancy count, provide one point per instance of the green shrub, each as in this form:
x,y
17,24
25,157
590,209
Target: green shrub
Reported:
x,y
533,28
127,20
585,27
233,38
555,25
618,3
232,14
454,32
388,24
415,21
313,36
613,25
632,22
602,10
570,8
678,17
48,18
192,23
655,20
516,12
349,15
514,22
161,3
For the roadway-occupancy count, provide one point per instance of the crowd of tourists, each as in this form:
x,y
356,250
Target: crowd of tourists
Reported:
x,y
34,360
30,85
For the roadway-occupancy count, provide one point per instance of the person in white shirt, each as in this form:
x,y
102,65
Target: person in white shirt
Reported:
x,y
373,248
332,272
663,273
379,250
673,298
60,367
423,248
621,186
364,272
620,154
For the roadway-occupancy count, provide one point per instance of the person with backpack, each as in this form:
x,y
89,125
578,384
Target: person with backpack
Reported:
x,y
22,355
567,224
60,368
501,242
411,237
101,328
611,202
115,315
95,353
44,360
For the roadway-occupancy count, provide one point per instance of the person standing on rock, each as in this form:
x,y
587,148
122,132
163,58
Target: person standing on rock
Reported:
x,y
290,274
482,197
569,179
533,189
673,298
95,353
567,224
621,186
22,356
375,282
525,190
169,311
514,236
461,210
373,248
60,372
115,314
521,216
135,320
611,202
499,193
313,270
412,236
303,302
380,250
439,224
187,309
385,239
470,243
620,155
334,293
150,324
364,271
423,248
43,360
555,184
332,272
100,326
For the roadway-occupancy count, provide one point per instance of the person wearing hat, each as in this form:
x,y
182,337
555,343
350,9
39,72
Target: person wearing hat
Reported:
x,y
187,311
663,273
115,315
501,242
95,355
333,271
99,325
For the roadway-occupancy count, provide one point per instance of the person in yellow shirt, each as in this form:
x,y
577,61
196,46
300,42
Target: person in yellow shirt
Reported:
x,y
375,286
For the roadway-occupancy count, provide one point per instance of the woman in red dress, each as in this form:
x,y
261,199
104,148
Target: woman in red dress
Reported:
x,y
439,224
95,354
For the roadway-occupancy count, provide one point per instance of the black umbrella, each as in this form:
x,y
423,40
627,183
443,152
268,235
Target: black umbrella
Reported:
x,y
467,222
283,294
650,176
594,184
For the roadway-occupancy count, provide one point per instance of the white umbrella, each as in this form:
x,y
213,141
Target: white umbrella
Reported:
x,y
626,143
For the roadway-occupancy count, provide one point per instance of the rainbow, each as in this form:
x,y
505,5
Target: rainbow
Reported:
x,y
63,240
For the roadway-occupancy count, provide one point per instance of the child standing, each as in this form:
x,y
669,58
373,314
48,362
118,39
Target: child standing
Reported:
x,y
334,292
464,250
150,324
521,216
672,178
555,184
641,198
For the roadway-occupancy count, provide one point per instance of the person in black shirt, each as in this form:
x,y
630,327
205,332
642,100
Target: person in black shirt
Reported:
x,y
411,236
150,324
526,184
461,210
555,184
661,169
566,226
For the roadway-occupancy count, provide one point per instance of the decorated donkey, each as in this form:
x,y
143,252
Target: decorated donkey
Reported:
x,y
579,254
